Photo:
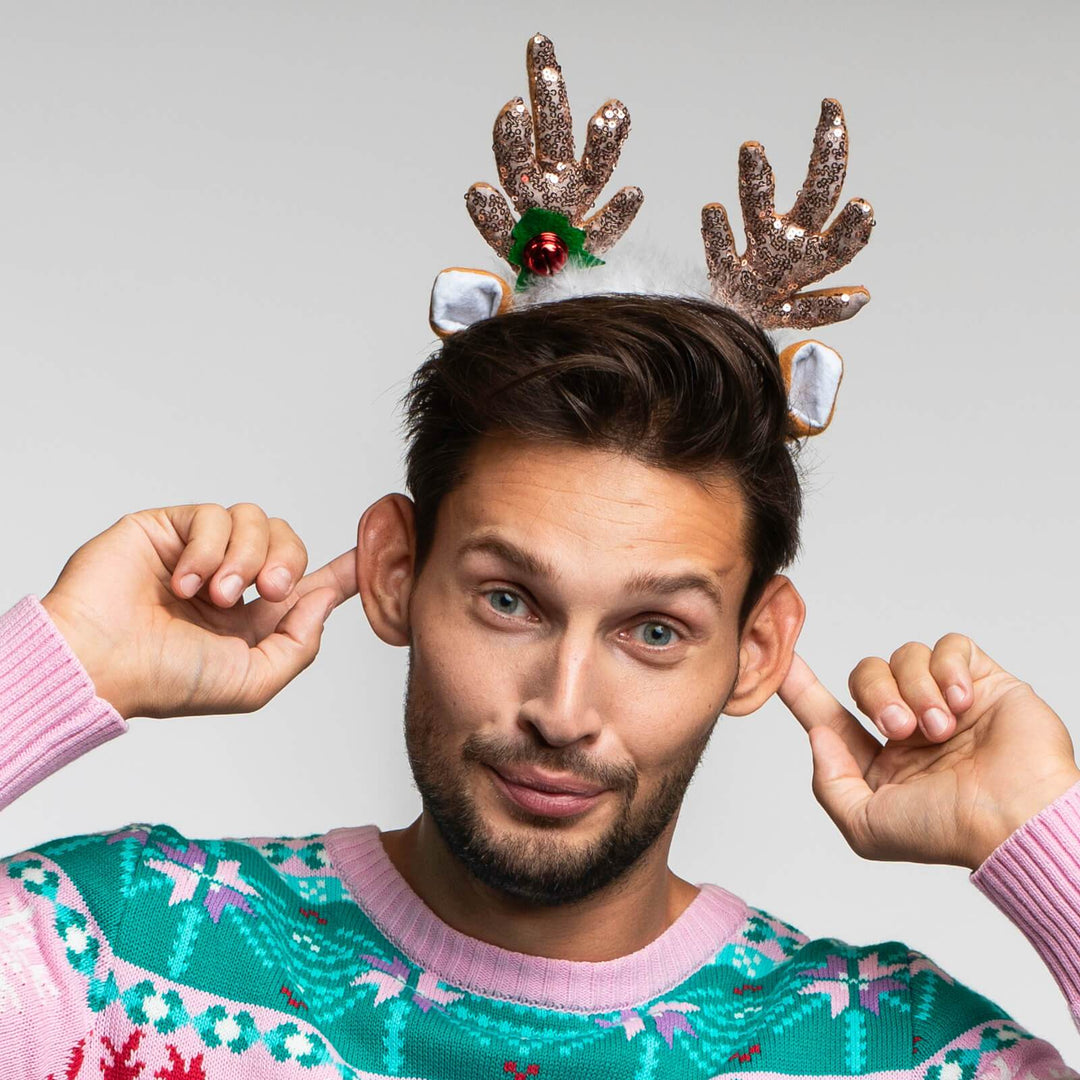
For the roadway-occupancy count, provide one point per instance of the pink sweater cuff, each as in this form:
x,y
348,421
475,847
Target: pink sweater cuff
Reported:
x,y
49,712
1033,876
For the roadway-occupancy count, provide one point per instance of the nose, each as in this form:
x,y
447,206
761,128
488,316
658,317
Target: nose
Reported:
x,y
563,708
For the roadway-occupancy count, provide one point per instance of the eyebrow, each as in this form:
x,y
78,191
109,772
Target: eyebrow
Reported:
x,y
643,581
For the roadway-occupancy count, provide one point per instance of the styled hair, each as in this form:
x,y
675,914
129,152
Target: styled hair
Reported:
x,y
680,383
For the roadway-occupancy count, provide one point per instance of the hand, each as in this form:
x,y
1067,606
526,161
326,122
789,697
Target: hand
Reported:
x,y
149,607
948,796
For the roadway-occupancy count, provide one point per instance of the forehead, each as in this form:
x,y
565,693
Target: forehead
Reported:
x,y
558,497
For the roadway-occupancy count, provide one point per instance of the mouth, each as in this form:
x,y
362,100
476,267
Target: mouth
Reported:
x,y
544,795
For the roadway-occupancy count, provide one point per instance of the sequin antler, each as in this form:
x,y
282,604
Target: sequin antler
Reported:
x,y
785,252
552,190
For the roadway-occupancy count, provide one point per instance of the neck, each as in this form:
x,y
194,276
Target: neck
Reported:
x,y
612,922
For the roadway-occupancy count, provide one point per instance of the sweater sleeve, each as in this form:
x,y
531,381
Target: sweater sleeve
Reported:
x,y
49,712
51,946
1033,876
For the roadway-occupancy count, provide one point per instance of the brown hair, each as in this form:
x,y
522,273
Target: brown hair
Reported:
x,y
675,382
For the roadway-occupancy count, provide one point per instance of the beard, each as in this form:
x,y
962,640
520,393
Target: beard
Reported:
x,y
539,868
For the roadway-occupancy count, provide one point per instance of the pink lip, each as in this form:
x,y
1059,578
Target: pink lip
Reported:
x,y
547,796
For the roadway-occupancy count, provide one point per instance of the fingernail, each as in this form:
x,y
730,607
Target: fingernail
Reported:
x,y
955,697
231,587
281,578
935,722
893,719
189,584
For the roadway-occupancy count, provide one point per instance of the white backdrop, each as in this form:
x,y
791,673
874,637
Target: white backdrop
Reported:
x,y
218,227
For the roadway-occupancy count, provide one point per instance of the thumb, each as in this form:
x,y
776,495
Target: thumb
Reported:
x,y
294,644
838,783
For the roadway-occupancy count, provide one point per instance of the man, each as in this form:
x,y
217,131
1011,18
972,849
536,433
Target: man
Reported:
x,y
586,576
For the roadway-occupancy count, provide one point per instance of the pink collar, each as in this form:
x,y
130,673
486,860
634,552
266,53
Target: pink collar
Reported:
x,y
691,941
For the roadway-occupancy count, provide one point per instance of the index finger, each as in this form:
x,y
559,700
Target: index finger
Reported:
x,y
812,705
339,574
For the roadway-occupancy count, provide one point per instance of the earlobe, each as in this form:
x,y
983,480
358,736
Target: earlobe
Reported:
x,y
767,646
385,560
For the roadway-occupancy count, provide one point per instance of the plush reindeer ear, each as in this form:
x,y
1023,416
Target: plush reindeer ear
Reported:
x,y
461,297
812,374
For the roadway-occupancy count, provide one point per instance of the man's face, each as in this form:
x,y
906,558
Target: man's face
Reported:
x,y
574,636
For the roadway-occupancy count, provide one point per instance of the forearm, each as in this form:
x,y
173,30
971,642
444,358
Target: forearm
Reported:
x,y
49,711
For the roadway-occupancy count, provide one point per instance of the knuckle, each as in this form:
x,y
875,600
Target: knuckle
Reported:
x,y
249,509
905,651
951,640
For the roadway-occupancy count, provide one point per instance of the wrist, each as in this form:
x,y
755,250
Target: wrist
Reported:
x,y
90,657
1022,806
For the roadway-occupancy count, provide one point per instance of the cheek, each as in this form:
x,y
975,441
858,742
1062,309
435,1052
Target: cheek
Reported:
x,y
466,683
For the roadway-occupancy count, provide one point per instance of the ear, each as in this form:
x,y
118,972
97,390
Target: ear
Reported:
x,y
767,646
812,374
461,297
385,561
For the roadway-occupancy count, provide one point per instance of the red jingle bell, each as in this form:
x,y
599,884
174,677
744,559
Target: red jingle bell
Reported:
x,y
545,254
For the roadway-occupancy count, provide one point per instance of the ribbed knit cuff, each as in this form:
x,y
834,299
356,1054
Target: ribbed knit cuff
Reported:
x,y
1033,876
49,712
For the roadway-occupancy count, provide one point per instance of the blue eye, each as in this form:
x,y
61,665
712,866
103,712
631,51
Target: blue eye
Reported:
x,y
504,601
657,634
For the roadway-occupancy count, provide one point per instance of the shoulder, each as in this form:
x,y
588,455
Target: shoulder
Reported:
x,y
866,1006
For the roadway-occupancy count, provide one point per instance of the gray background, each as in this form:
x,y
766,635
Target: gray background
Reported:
x,y
218,228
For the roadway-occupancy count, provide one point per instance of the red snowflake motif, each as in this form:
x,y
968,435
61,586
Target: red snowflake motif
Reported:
x,y
744,1058
296,1003
311,913
527,1070
746,987
122,1067
177,1070
74,1062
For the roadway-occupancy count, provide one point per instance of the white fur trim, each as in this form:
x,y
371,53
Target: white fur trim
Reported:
x,y
815,379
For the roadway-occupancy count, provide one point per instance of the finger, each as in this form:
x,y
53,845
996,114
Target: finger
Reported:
x,y
910,666
281,656
607,131
286,561
846,236
551,108
491,214
951,666
805,310
875,692
839,784
825,176
757,190
513,146
204,529
244,555
339,575
612,220
813,706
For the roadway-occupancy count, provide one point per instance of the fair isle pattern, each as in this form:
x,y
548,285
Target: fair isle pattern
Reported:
x,y
228,959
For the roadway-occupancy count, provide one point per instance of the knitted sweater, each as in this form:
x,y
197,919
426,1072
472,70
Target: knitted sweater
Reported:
x,y
140,953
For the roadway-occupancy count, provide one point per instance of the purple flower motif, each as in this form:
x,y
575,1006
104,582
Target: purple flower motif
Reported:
x,y
670,1016
628,1020
873,980
390,979
187,870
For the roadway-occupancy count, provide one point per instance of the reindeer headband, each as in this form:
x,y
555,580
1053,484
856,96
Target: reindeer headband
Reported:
x,y
554,247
